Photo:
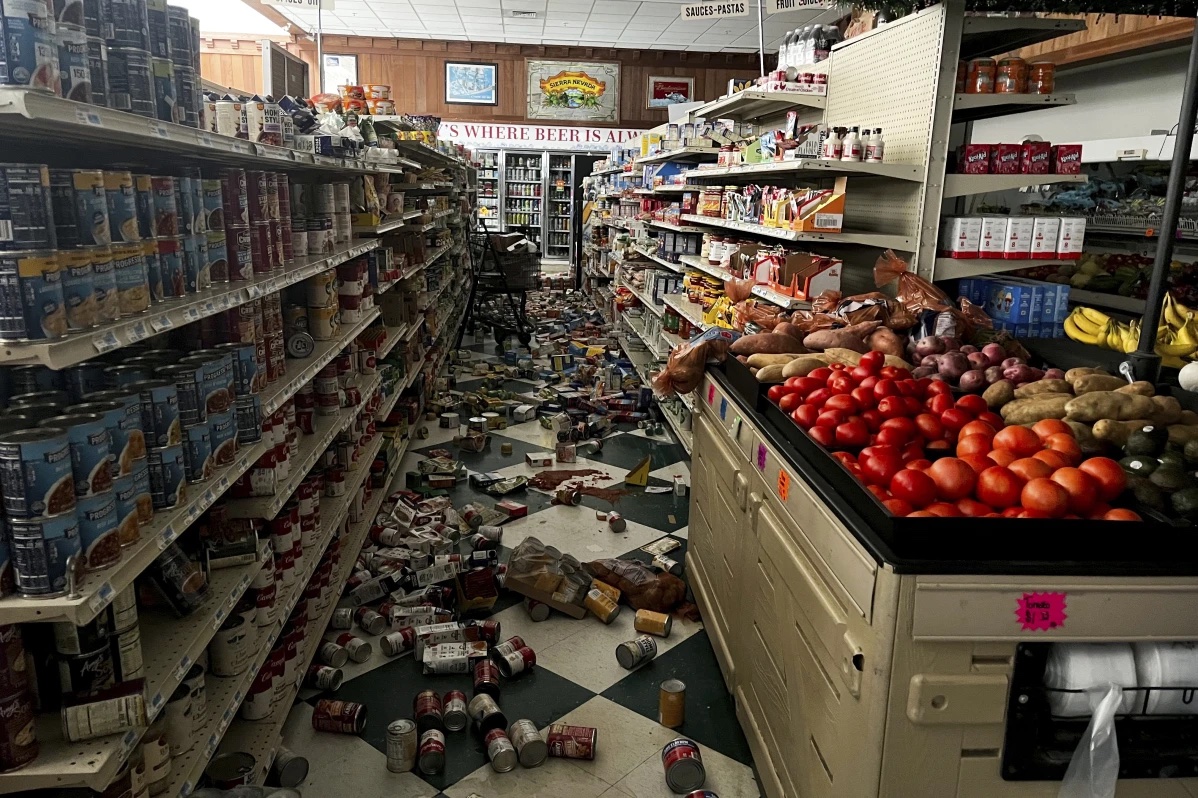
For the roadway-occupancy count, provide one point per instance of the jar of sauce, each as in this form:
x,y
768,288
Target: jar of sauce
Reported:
x,y
1011,77
980,76
1042,78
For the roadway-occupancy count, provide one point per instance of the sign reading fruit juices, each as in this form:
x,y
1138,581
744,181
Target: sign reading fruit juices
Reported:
x,y
535,137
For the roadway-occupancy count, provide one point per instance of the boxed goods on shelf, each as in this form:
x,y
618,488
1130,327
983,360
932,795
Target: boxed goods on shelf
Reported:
x,y
1028,158
993,236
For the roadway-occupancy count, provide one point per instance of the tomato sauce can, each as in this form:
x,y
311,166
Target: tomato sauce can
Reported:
x,y
431,756
35,473
500,751
683,765
43,550
168,476
402,742
572,742
18,731
32,306
170,264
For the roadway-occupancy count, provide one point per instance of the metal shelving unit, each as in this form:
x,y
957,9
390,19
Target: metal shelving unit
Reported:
x,y
754,104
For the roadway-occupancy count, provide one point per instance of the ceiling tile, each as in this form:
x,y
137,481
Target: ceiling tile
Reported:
x,y
566,15
658,10
523,5
577,6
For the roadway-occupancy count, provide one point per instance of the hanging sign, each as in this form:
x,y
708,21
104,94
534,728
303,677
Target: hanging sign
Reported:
x,y
536,137
781,6
306,5
712,9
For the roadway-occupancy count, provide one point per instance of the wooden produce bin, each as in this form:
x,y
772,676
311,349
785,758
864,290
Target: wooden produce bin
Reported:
x,y
860,672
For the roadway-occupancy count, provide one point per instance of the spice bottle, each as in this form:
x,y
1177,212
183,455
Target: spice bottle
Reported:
x,y
875,150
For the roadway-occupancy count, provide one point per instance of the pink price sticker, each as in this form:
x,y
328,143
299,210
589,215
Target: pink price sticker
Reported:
x,y
761,457
1041,612
710,394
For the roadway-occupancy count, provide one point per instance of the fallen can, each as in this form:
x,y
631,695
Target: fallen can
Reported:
x,y
342,717
616,522
398,642
427,710
500,751
663,563
432,752
633,653
343,618
486,714
653,623
289,768
530,748
537,611
359,650
453,712
572,742
486,678
683,765
516,662
233,769
671,703
601,605
402,742
333,655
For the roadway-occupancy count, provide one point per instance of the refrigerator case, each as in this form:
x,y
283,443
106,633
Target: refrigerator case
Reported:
x,y
489,182
584,164
559,221
523,193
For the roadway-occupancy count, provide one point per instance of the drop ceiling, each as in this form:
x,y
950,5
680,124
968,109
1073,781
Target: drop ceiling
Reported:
x,y
649,24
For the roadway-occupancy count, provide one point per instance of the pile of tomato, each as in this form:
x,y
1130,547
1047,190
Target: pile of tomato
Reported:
x,y
924,453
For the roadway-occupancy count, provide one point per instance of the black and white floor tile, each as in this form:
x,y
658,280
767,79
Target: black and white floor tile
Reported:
x,y
577,679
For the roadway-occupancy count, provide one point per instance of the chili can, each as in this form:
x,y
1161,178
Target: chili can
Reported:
x,y
571,742
43,552
343,717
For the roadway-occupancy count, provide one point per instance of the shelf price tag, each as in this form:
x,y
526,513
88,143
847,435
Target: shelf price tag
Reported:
x,y
137,332
219,618
184,665
156,701
205,139
102,597
761,456
192,314
161,323
166,538
783,484
86,117
159,130
105,342
209,308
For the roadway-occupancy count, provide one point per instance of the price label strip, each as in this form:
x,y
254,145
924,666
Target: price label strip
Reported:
x,y
85,117
106,342
161,323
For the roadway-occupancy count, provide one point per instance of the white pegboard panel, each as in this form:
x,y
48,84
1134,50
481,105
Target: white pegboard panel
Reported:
x,y
883,206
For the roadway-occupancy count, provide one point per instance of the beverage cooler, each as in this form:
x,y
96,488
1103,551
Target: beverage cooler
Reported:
x,y
523,193
488,186
559,228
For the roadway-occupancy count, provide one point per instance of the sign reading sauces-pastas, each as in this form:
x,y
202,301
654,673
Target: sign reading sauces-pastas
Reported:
x,y
708,10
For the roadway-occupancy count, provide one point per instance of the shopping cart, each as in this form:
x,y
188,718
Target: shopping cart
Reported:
x,y
506,267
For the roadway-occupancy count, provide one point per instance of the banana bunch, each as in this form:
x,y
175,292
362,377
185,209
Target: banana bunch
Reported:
x,y
1176,336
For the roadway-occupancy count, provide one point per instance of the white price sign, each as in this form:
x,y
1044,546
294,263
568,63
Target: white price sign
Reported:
x,y
782,6
308,5
712,9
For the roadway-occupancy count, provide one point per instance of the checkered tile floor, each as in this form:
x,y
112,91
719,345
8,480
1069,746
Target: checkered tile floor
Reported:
x,y
576,679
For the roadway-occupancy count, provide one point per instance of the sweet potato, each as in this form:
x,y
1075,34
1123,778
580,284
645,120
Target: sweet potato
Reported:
x,y
898,363
1181,434
1089,383
885,340
1035,408
851,337
770,374
999,393
1168,411
766,344
1042,386
1097,405
1081,371
802,366
1140,386
1189,418
1116,432
786,328
759,360
847,356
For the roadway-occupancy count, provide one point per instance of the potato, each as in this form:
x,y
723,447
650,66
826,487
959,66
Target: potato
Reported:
x,y
1036,408
766,344
1083,432
760,360
846,356
1042,386
1189,418
1181,434
1097,405
898,363
1073,374
885,340
851,337
770,374
786,328
1168,411
999,393
1140,386
1117,432
802,366
1089,383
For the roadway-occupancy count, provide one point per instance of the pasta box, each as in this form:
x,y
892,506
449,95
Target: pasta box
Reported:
x,y
523,413
513,509
539,459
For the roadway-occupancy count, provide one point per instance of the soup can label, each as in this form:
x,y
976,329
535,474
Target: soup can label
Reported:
x,y
168,475
125,430
97,67
160,412
223,431
149,251
197,452
73,73
239,248
108,301
35,474
249,418
32,306
91,453
78,289
80,207
32,59
98,530
185,200
166,208
218,256
174,275
188,382
132,279
124,488
121,198
41,551
214,206
131,79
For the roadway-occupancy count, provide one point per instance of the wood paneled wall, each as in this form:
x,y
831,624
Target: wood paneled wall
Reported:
x,y
1109,36
415,69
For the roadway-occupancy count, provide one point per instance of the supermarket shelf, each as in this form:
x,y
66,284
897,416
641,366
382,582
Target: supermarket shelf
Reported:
x,y
646,300
383,227
669,189
322,355
972,107
681,154
81,346
685,437
42,118
691,311
781,300
642,361
984,36
261,738
419,228
643,334
677,228
948,268
753,104
169,646
1127,304
612,171
1127,231
325,429
817,168
880,240
674,267
672,339
966,185
696,262
394,336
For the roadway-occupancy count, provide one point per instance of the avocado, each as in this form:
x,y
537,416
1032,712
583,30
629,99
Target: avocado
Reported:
x,y
1173,459
1147,441
1191,453
1185,503
1147,493
1170,479
1142,466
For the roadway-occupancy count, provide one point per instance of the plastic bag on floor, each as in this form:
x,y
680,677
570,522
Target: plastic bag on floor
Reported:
x,y
644,589
1094,769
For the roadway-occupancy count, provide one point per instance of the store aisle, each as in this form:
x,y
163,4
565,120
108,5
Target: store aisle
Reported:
x,y
577,679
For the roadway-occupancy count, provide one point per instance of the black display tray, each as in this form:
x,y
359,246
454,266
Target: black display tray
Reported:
x,y
959,545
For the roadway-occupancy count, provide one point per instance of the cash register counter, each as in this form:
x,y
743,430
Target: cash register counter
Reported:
x,y
860,672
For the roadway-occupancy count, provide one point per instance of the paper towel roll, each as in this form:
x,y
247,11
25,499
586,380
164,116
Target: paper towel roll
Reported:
x,y
1168,665
1082,666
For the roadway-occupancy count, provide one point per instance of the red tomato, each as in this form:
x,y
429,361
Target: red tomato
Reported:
x,y
939,403
914,487
880,493
873,419
1054,459
912,451
913,405
955,418
1082,489
845,457
806,385
973,404
1067,445
1108,473
993,419
1099,510
822,373
978,462
805,416
889,436
843,402
1020,440
872,361
892,407
880,464
837,366
903,424
776,392
929,426
864,397
792,383
918,464
885,387
938,448
852,433
1044,496
855,470
937,387
790,402
860,373
1012,512
973,508
954,478
1002,457
841,383
921,514
1051,426
977,428
1033,514
869,382
944,510
898,507
909,388
999,487
973,444
922,385
818,397
831,418
1029,468
824,436
1120,514
893,373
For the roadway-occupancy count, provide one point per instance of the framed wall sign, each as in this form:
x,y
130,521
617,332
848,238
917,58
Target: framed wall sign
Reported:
x,y
577,91
471,83
670,90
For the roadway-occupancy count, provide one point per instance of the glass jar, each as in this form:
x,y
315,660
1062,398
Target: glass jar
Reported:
x,y
1042,78
705,250
980,77
1011,76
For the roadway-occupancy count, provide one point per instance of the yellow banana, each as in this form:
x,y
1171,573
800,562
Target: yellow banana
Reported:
x,y
1172,362
1171,315
1095,316
1083,323
1075,332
